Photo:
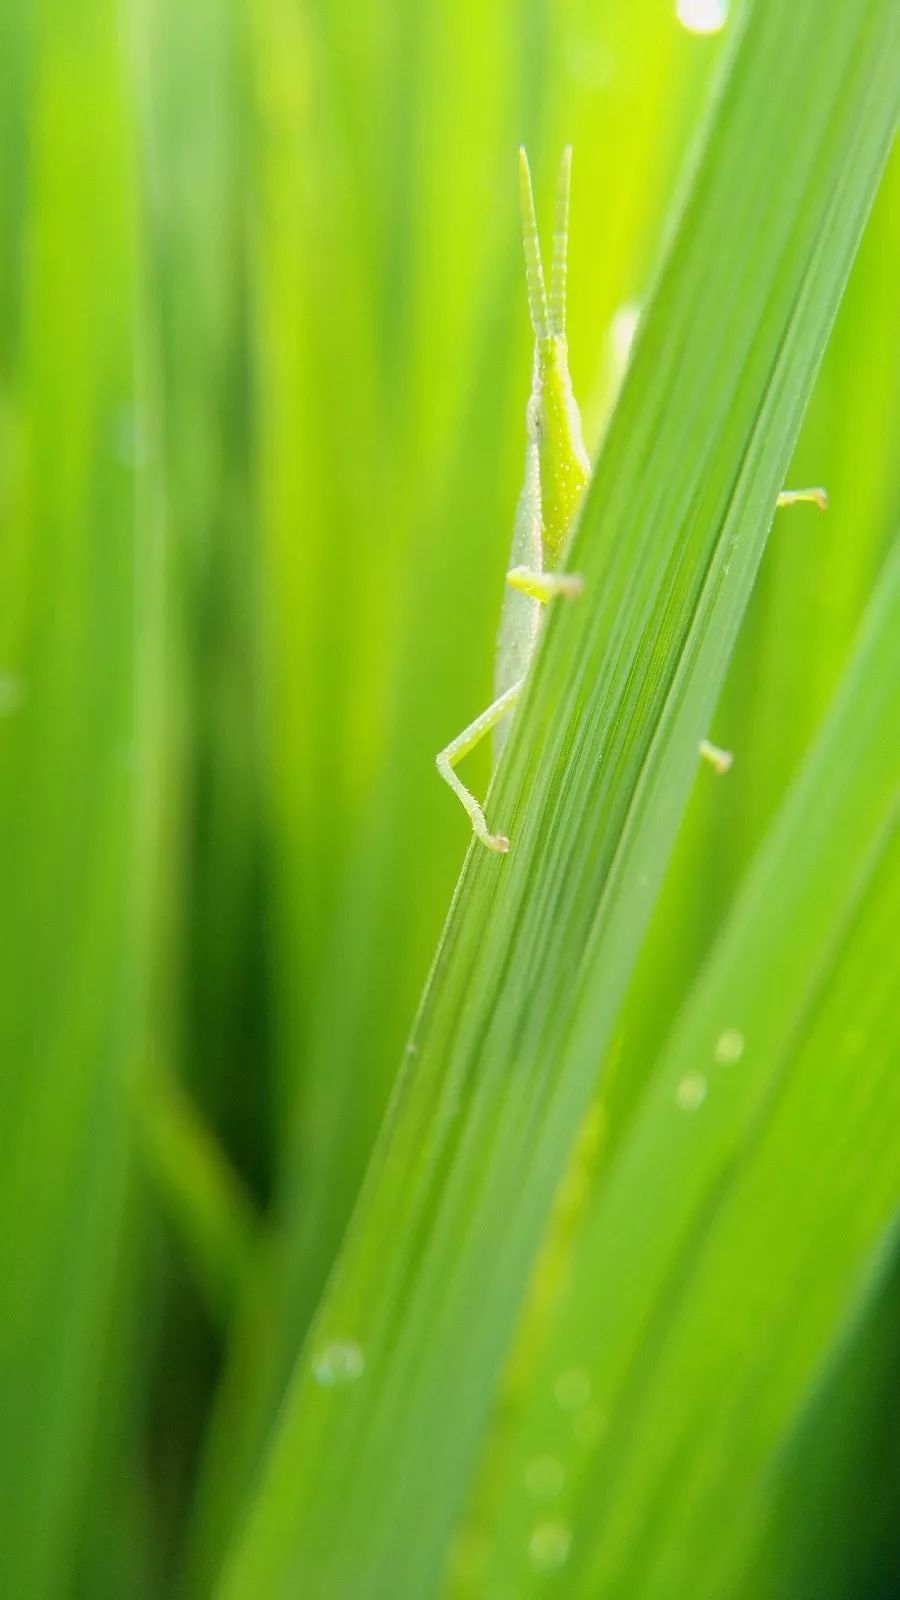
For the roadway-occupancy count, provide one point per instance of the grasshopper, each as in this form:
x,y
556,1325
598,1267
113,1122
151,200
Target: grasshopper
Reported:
x,y
557,471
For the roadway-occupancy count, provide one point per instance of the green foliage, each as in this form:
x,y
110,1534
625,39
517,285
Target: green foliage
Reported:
x,y
615,1311
70,753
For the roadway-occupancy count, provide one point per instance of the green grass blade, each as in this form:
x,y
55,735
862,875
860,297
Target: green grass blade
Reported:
x,y
849,1434
721,1259
538,949
71,754
206,1200
800,625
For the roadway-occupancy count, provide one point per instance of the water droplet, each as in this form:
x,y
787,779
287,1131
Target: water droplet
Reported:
x,y
691,1091
545,1477
573,1389
338,1362
549,1545
702,16
729,1047
12,694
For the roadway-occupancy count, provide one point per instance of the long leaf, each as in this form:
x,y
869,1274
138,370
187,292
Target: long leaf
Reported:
x,y
71,763
721,1261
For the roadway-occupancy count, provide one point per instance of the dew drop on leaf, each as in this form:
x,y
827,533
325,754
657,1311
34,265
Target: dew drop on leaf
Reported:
x,y
702,16
729,1047
548,1547
545,1477
338,1362
691,1091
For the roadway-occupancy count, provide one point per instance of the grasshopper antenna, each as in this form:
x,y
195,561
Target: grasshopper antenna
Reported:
x,y
534,271
557,301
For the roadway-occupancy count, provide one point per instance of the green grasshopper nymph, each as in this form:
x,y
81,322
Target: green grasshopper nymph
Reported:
x,y
557,470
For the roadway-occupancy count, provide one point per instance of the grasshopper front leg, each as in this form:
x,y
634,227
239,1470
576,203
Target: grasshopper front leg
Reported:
x,y
545,586
798,497
720,760
460,746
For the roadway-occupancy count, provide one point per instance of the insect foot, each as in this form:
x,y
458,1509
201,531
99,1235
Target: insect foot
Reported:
x,y
719,760
495,841
803,497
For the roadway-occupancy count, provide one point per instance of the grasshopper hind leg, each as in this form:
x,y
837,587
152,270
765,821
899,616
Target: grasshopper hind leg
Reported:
x,y
459,747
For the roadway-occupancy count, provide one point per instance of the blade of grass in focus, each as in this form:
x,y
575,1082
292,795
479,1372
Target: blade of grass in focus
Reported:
x,y
534,962
735,1231
793,647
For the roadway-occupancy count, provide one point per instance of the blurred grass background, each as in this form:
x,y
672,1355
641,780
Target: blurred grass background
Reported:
x,y
263,363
